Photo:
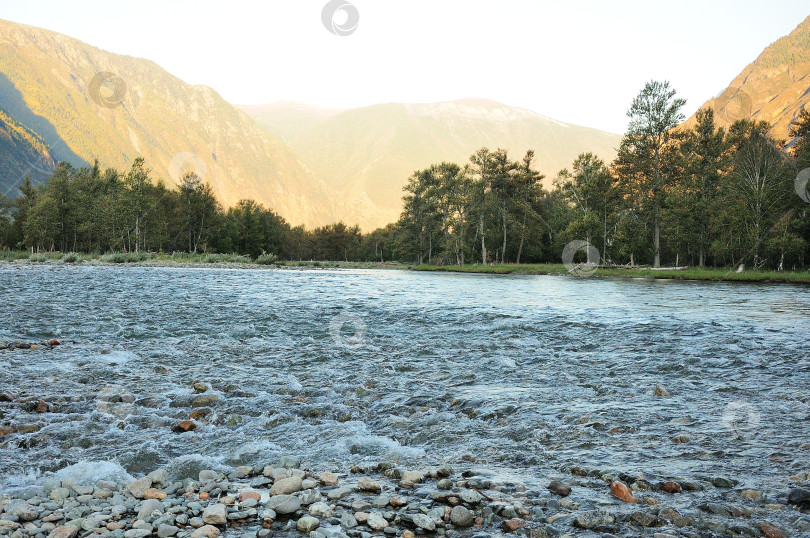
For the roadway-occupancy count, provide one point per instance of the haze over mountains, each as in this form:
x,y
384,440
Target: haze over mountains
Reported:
x,y
312,165
366,155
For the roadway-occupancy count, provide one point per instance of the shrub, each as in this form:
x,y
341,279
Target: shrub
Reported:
x,y
123,257
267,258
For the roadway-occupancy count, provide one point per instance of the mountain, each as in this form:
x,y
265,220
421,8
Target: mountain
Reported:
x,y
23,154
366,155
85,104
287,120
773,88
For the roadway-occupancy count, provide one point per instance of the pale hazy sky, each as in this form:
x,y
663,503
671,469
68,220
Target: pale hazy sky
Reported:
x,y
579,62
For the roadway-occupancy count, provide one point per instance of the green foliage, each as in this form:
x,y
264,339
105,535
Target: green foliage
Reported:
x,y
72,257
124,257
267,258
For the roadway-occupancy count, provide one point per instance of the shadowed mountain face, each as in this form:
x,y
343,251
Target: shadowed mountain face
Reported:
x,y
22,154
773,88
366,155
91,104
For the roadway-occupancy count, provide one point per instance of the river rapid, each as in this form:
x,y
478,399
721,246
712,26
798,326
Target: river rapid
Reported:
x,y
526,376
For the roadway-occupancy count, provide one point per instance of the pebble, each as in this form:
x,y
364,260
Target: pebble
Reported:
x,y
620,490
138,488
376,521
470,496
307,524
432,503
557,488
149,507
184,426
368,485
800,497
328,478
661,391
216,514
424,522
206,531
68,531
461,517
284,504
137,533
285,486
511,525
770,530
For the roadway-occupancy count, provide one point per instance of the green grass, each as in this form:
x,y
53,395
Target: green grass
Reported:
x,y
11,255
706,273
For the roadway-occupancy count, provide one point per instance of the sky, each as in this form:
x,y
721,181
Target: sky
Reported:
x,y
580,62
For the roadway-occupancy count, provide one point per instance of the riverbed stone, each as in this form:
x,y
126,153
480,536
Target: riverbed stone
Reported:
x,y
60,494
216,514
799,497
723,482
620,490
284,504
367,485
138,488
593,518
470,496
307,524
285,486
377,522
166,531
348,521
424,522
67,531
770,530
461,517
138,533
159,477
328,478
557,488
21,509
149,507
340,492
206,531
320,510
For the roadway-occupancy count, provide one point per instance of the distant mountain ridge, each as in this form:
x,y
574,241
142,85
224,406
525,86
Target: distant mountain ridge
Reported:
x,y
773,88
46,84
365,155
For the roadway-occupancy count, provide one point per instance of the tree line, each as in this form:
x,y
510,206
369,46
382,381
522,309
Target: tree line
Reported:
x,y
700,196
694,196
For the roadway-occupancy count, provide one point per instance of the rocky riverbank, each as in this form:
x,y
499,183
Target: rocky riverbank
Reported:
x,y
286,499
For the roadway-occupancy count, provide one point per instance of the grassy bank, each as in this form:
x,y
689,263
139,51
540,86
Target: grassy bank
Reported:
x,y
203,259
706,273
179,258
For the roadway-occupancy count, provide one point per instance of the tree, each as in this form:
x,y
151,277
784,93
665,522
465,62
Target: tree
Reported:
x,y
653,113
200,209
759,190
527,199
704,153
592,194
481,162
136,202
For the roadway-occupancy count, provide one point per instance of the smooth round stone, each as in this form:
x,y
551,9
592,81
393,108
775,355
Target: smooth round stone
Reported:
x,y
461,517
284,504
307,523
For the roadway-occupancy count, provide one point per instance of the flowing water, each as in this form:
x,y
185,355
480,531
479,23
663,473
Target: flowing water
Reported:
x,y
527,375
